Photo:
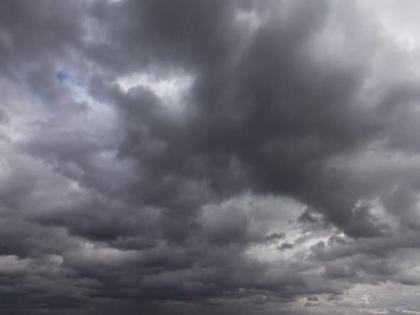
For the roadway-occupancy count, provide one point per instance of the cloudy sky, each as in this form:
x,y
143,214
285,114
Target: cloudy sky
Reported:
x,y
255,157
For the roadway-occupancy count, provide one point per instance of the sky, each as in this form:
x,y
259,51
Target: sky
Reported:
x,y
253,157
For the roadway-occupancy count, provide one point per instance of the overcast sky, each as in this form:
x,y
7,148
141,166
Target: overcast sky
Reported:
x,y
187,157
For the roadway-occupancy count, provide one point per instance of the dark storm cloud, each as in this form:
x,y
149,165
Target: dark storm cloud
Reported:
x,y
36,34
281,131
112,201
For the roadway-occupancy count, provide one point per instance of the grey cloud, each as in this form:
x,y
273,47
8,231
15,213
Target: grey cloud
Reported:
x,y
311,301
290,172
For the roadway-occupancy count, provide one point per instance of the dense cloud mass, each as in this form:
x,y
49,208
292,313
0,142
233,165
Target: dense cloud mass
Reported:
x,y
209,157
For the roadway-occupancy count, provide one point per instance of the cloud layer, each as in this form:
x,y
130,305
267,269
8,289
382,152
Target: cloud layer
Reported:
x,y
213,157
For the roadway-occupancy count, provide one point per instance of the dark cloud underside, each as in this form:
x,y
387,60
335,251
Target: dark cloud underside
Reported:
x,y
212,157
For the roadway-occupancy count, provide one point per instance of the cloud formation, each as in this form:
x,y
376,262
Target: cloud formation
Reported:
x,y
213,157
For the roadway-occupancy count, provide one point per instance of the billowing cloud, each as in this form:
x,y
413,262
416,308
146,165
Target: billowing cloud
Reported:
x,y
213,157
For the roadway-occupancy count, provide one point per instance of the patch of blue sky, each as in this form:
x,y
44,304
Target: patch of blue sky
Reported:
x,y
64,76
61,76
